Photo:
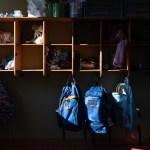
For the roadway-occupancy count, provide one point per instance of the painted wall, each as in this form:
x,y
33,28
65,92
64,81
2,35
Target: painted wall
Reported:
x,y
11,5
37,97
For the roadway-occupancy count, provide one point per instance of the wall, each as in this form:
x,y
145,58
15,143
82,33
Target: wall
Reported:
x,y
36,97
9,6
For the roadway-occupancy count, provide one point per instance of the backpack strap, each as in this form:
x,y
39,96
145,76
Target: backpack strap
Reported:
x,y
98,81
120,85
70,78
126,80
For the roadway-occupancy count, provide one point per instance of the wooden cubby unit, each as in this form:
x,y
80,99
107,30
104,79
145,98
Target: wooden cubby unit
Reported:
x,y
88,38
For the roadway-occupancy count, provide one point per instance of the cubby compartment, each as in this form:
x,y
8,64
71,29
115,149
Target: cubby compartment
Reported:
x,y
140,58
87,31
115,37
31,30
140,31
59,58
87,57
140,44
108,55
6,31
58,31
6,58
113,30
29,58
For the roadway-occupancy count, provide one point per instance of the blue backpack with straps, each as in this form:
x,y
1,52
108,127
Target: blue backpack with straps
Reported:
x,y
97,109
69,111
124,106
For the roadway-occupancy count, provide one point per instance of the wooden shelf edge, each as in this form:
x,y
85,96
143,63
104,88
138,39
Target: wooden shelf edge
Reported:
x,y
59,44
31,44
116,70
91,70
60,70
31,70
6,70
87,44
9,44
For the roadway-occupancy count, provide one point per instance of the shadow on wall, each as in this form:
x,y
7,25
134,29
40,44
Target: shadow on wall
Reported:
x,y
36,98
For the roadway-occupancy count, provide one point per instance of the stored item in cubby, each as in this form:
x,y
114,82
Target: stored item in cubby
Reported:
x,y
6,37
38,34
88,64
58,58
7,63
119,57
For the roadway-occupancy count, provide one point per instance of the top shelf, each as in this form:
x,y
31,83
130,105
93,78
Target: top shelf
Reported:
x,y
68,19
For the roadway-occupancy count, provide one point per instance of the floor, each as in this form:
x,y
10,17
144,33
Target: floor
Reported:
x,y
67,145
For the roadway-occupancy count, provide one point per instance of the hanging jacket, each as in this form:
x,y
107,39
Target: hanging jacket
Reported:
x,y
121,49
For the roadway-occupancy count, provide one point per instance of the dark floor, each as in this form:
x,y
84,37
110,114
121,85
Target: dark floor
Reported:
x,y
68,145
72,148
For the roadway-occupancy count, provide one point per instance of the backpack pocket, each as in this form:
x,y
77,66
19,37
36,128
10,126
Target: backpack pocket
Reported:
x,y
68,111
95,111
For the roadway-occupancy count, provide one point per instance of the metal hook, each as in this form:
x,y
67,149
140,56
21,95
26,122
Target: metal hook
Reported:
x,y
71,77
126,75
99,79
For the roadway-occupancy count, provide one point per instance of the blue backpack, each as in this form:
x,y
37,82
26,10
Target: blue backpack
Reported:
x,y
124,106
69,111
97,109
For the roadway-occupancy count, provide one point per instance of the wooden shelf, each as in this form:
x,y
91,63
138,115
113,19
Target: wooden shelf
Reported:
x,y
139,45
32,70
59,44
7,44
6,70
31,44
117,70
61,70
88,70
96,45
90,37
